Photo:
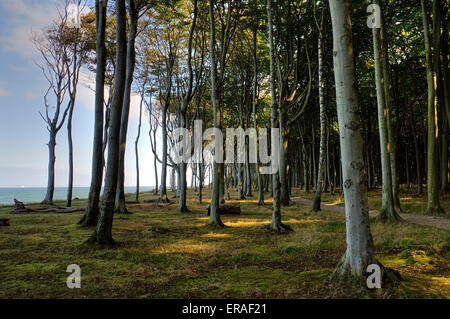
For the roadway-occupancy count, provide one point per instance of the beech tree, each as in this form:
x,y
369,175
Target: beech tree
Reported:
x,y
103,231
90,216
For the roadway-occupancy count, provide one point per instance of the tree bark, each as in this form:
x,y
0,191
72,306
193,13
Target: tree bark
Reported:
x,y
388,213
392,146
214,218
120,206
103,231
90,216
276,224
434,205
323,115
359,253
51,167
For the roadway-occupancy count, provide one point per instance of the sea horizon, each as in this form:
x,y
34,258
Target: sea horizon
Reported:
x,y
37,194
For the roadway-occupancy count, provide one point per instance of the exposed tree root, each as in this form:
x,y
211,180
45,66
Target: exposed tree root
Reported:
x,y
436,210
387,216
279,228
343,274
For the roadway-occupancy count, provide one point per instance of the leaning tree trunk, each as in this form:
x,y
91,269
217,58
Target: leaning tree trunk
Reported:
x,y
51,167
322,108
90,216
359,253
388,213
434,205
103,231
120,206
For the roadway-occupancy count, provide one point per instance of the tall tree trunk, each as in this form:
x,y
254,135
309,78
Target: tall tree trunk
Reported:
x,y
434,205
323,115
392,149
446,99
359,253
91,213
136,147
444,156
388,213
70,145
103,231
120,206
214,218
276,224
254,109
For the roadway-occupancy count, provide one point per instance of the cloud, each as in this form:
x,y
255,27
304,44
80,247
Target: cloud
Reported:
x,y
3,92
23,16
86,95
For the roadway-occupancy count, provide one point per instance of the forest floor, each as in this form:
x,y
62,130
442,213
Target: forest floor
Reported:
x,y
161,253
435,221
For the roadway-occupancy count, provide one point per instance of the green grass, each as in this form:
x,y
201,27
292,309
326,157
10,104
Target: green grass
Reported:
x,y
162,253
410,202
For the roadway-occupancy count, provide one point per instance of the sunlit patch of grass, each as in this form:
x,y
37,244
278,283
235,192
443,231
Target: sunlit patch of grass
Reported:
x,y
162,253
216,235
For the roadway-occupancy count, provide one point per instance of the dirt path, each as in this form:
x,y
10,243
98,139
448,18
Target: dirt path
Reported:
x,y
434,221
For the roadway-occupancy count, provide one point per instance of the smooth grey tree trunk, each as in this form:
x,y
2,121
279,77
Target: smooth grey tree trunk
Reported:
x,y
136,147
388,213
214,218
120,206
51,168
434,205
91,213
103,232
389,121
359,253
276,224
322,115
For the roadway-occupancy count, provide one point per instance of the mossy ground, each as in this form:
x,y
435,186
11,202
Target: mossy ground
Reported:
x,y
162,253
410,202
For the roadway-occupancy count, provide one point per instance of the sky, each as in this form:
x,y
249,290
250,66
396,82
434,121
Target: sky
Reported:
x,y
23,135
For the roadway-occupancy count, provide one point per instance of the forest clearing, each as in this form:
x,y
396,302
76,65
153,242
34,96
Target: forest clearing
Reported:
x,y
162,253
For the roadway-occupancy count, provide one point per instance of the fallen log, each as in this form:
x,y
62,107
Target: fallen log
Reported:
x,y
18,204
4,222
61,210
226,209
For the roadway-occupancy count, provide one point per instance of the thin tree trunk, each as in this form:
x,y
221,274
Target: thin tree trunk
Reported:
x,y
389,121
120,205
388,213
276,224
91,213
323,115
214,218
434,205
70,144
136,147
